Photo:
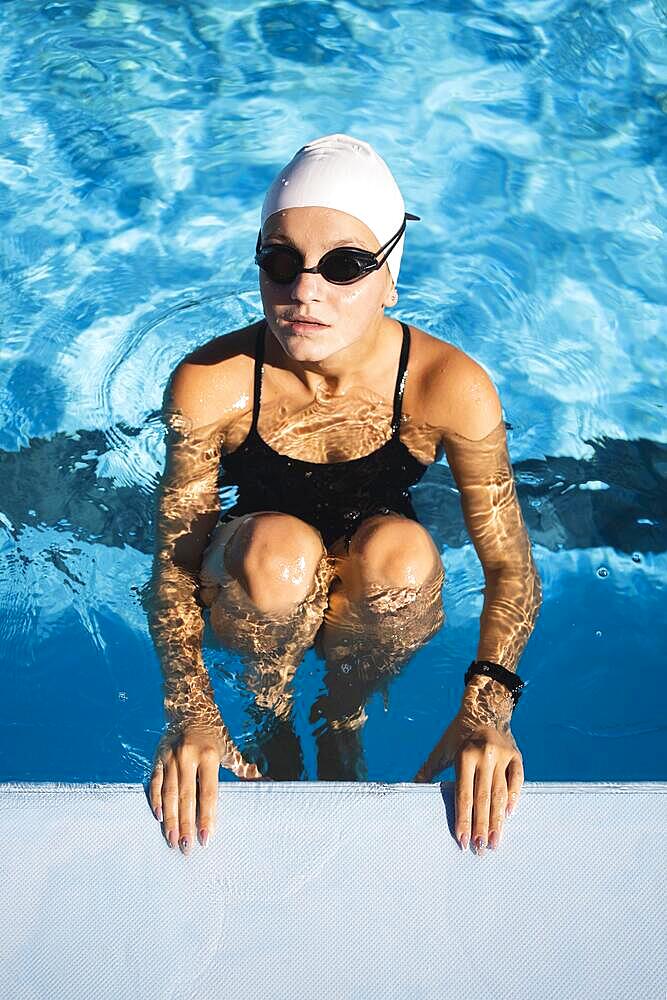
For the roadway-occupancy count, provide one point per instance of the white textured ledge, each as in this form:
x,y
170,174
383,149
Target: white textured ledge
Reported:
x,y
333,890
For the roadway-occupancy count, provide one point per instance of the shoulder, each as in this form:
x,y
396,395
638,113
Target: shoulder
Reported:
x,y
456,393
212,383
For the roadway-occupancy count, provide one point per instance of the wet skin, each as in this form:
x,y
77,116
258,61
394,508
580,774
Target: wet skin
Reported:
x,y
271,587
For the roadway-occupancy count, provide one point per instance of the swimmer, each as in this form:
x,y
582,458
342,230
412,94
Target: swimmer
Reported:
x,y
323,414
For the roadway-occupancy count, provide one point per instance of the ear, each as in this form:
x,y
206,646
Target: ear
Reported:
x,y
391,297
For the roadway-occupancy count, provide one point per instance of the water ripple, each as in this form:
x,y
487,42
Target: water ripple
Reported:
x,y
137,141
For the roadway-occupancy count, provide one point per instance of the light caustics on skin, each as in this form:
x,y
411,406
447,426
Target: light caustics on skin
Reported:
x,y
185,503
362,641
513,591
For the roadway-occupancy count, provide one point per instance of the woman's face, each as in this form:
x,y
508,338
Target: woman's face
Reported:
x,y
348,311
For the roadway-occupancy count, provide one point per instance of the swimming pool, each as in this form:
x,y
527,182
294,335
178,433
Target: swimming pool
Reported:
x,y
137,143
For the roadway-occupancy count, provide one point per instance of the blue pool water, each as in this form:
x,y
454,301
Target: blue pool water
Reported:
x,y
136,144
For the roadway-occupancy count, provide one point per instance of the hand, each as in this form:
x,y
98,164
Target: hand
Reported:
x,y
489,768
188,756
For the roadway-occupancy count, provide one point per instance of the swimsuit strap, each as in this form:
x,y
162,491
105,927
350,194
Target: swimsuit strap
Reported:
x,y
398,390
259,367
400,381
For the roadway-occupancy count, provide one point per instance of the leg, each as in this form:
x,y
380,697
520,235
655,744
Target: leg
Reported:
x,y
265,577
385,603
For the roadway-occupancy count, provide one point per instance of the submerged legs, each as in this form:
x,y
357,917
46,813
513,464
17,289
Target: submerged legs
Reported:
x,y
274,591
265,578
384,605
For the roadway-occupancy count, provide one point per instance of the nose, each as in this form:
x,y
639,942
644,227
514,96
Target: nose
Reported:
x,y
306,287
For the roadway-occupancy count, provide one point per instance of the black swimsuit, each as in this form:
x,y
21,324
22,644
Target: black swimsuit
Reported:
x,y
334,497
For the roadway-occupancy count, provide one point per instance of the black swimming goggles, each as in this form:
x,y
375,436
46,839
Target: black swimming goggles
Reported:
x,y
341,266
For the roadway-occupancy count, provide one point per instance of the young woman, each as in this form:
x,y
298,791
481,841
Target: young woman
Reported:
x,y
323,414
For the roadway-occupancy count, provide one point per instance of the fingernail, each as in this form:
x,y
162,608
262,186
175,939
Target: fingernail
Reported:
x,y
185,845
171,838
465,840
480,844
508,811
493,840
203,837
158,813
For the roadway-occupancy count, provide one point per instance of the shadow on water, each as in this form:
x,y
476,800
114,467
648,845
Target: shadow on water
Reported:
x,y
616,498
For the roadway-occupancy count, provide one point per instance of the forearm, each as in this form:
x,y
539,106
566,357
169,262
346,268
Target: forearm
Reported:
x,y
176,625
512,600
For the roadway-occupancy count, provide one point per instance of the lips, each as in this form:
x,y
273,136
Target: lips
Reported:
x,y
311,321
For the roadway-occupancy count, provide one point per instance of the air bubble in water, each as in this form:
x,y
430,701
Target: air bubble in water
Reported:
x,y
603,571
636,557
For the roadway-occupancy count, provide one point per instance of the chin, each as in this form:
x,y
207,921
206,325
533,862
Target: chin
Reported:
x,y
306,349
306,346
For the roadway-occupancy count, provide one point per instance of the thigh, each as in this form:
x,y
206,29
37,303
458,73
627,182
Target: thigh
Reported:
x,y
212,571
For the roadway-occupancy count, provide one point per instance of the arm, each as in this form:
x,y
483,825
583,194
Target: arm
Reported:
x,y
197,740
489,769
186,512
513,593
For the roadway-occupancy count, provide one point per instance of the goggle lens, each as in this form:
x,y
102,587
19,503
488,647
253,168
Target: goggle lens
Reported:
x,y
282,265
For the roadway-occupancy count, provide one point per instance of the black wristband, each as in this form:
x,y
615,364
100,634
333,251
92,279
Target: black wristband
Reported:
x,y
510,680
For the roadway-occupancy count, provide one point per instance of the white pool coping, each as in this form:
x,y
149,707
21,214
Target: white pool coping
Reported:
x,y
317,890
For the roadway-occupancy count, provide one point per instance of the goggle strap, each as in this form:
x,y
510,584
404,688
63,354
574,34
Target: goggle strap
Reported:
x,y
365,268
393,240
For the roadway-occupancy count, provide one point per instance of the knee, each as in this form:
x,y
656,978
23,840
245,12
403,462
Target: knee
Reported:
x,y
274,557
394,552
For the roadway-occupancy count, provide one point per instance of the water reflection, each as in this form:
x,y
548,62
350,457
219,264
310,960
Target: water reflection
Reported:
x,y
57,482
362,620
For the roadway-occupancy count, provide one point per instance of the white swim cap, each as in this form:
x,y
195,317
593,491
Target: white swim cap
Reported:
x,y
337,171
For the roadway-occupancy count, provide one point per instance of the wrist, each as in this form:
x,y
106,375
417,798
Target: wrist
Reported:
x,y
184,721
487,702
501,675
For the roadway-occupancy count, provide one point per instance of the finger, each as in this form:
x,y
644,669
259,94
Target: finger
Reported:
x,y
432,766
498,804
424,773
187,799
155,789
208,795
482,801
437,761
465,779
515,778
233,760
170,801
